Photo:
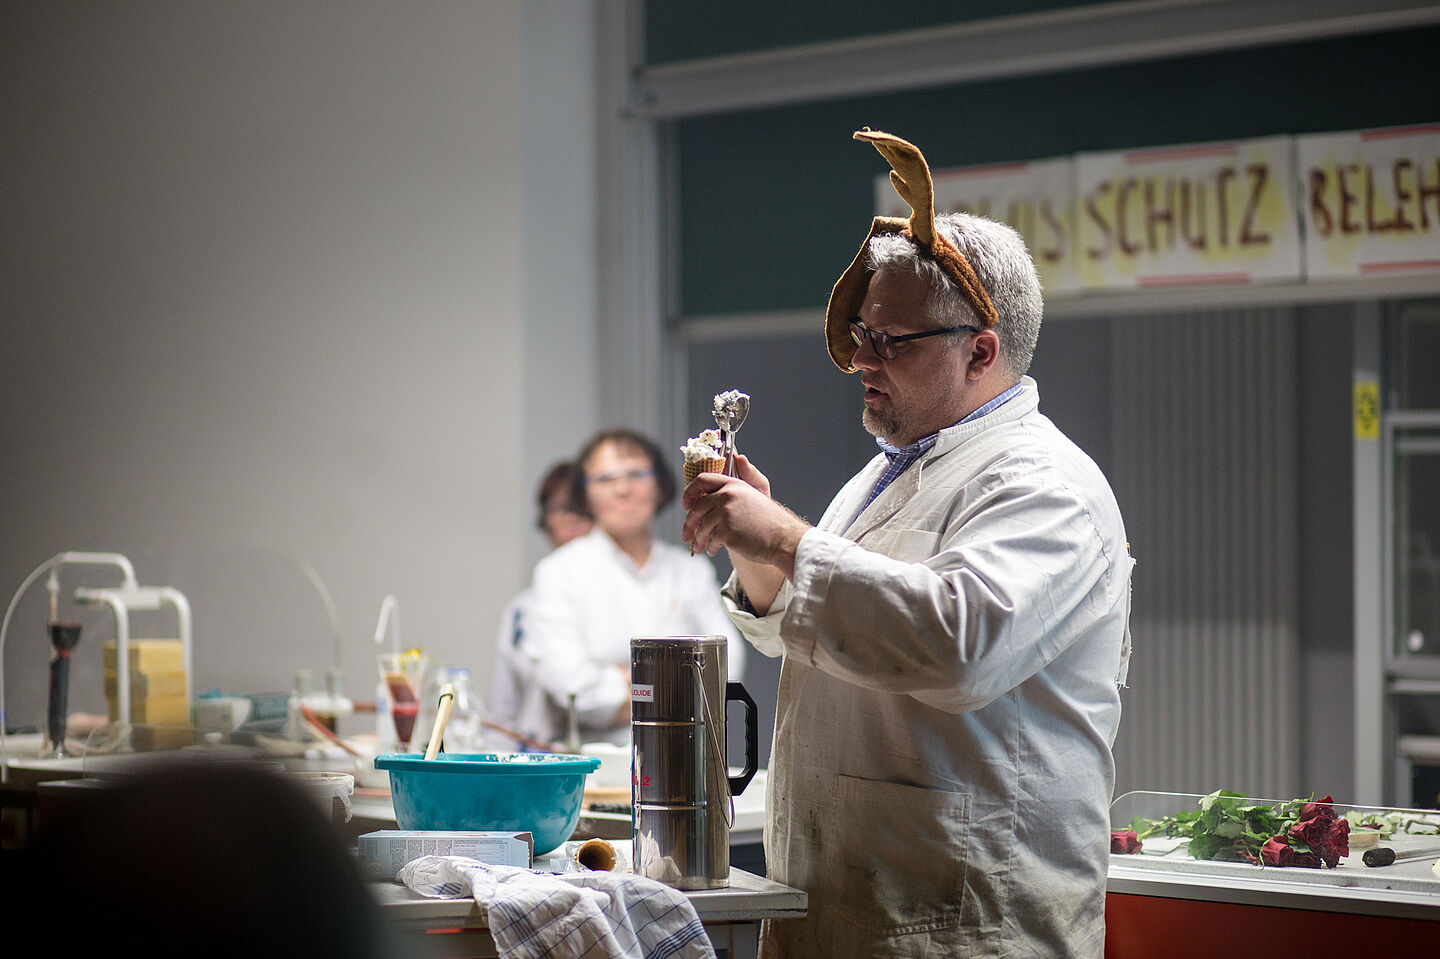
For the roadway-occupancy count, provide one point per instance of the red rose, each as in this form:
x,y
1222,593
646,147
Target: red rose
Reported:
x,y
1124,841
1278,852
1319,828
1336,845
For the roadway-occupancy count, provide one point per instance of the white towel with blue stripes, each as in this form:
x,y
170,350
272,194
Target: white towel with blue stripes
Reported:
x,y
591,914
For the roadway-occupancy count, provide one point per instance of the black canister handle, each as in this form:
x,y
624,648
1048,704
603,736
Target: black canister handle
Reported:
x,y
735,693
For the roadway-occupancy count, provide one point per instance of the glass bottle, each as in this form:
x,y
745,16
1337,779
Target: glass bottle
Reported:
x,y
464,733
465,728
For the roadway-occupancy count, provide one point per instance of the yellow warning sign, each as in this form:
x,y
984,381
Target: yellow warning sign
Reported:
x,y
1367,410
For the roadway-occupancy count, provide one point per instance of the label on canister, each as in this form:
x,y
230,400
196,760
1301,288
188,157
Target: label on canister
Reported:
x,y
683,674
642,693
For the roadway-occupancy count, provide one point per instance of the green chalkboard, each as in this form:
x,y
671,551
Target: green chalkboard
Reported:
x,y
774,202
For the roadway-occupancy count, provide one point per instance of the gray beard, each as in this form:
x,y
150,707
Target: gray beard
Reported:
x,y
882,425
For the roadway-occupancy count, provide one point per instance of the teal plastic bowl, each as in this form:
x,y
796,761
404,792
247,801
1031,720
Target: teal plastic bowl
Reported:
x,y
538,793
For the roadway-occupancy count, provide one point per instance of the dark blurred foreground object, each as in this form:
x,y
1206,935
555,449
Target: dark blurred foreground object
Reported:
x,y
194,858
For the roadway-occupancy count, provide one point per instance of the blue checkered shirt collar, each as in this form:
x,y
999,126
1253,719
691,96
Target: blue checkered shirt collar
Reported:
x,y
901,457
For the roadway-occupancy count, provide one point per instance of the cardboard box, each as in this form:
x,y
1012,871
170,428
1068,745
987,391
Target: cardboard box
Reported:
x,y
155,710
383,853
165,682
149,655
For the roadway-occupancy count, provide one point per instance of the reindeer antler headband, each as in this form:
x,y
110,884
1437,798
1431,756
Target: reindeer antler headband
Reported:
x,y
910,175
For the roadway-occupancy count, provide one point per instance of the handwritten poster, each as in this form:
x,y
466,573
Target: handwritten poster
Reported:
x,y
1270,209
1200,214
1036,198
1371,201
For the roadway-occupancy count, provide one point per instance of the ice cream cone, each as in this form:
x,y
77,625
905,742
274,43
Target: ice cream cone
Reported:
x,y
703,454
694,468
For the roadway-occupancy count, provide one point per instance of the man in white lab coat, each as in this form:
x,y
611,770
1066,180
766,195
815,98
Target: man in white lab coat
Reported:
x,y
954,631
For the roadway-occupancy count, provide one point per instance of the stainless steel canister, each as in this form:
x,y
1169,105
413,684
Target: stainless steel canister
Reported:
x,y
680,784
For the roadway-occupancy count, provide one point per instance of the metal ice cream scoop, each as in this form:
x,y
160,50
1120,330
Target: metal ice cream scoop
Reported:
x,y
730,409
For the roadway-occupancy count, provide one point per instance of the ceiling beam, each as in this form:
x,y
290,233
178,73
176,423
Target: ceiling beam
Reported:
x,y
1073,38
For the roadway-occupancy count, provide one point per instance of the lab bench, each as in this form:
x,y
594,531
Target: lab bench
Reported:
x,y
449,927
1173,905
1157,905
1246,915
457,927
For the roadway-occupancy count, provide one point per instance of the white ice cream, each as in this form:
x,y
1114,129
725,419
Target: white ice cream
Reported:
x,y
728,399
706,446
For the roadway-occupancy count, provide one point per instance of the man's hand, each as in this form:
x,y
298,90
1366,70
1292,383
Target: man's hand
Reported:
x,y
738,513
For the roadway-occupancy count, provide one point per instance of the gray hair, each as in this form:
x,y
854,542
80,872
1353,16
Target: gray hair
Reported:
x,y
999,257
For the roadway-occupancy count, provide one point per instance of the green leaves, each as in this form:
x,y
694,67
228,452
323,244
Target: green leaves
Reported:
x,y
1226,826
1388,823
1208,845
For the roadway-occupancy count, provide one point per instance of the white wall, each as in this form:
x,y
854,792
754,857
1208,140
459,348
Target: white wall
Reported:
x,y
559,169
270,300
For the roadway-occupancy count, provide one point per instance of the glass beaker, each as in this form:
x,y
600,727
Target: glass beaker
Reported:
x,y
404,676
464,730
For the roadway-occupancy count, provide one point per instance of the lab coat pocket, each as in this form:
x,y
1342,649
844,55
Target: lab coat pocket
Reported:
x,y
906,545
899,854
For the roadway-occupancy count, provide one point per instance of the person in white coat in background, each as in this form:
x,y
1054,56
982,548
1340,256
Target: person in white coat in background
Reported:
x,y
591,596
517,700
953,631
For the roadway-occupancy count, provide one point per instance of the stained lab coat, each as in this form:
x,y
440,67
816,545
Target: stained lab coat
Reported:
x,y
941,771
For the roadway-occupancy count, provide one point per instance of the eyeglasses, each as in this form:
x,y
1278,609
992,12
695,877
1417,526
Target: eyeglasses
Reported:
x,y
884,343
607,480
